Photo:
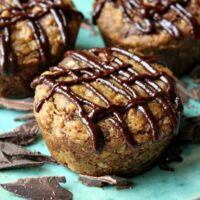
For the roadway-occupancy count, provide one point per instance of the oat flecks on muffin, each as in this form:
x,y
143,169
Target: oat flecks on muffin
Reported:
x,y
33,35
168,29
106,111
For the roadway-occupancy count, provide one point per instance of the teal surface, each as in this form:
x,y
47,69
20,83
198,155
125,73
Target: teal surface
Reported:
x,y
183,184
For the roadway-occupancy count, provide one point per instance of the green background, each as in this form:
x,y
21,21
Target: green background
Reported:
x,y
183,184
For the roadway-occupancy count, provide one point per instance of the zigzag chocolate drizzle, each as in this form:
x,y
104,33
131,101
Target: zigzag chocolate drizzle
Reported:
x,y
110,74
152,15
21,11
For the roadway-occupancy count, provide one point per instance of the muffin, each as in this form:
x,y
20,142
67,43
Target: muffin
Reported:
x,y
33,35
106,111
167,30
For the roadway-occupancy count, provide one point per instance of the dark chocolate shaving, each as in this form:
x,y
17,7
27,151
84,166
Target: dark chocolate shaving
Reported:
x,y
195,93
39,188
26,117
93,181
22,135
187,93
190,131
14,156
171,154
21,105
89,27
182,91
195,74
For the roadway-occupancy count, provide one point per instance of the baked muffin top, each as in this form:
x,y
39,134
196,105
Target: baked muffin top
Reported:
x,y
113,88
176,17
33,31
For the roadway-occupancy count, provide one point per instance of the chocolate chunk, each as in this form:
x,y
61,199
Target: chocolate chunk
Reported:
x,y
14,156
22,135
166,167
93,181
46,188
195,93
88,26
25,117
182,91
190,131
21,105
185,93
171,154
195,74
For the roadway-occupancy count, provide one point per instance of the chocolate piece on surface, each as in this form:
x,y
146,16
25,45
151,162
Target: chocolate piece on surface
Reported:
x,y
190,130
38,188
14,156
20,105
195,74
25,117
22,135
173,153
101,181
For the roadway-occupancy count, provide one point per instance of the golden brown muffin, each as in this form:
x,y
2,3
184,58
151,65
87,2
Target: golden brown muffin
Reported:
x,y
168,30
33,35
106,111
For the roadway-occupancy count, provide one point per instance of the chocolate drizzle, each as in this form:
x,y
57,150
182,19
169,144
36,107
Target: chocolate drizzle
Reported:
x,y
21,11
119,77
152,15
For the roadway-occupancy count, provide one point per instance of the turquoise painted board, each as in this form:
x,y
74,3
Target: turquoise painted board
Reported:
x,y
183,184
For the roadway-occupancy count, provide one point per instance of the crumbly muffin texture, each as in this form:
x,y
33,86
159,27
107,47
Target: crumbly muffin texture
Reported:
x,y
117,30
69,139
25,46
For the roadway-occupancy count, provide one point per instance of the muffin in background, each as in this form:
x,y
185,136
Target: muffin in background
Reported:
x,y
33,35
167,30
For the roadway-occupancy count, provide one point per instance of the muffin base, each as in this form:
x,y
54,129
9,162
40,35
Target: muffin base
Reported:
x,y
125,162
